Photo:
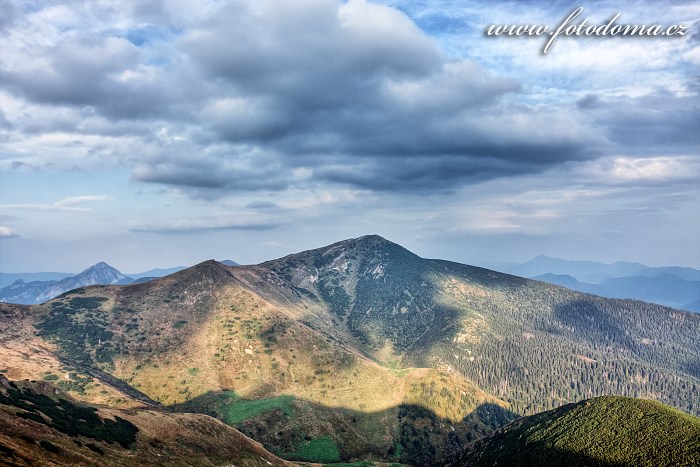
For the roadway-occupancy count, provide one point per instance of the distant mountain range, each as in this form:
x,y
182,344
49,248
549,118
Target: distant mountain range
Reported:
x,y
674,286
7,278
44,288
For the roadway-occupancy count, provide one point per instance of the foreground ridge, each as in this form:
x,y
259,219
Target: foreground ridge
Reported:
x,y
604,431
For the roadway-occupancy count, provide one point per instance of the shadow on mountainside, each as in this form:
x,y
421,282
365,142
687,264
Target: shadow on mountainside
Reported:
x,y
603,431
533,454
302,430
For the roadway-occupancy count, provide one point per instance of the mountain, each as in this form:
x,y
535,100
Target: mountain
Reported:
x,y
585,271
693,306
605,431
665,288
687,274
39,425
671,286
357,351
37,287
157,272
40,291
7,278
572,283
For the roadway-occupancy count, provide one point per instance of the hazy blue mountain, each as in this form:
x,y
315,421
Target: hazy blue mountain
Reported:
x,y
665,289
157,272
570,282
7,278
673,286
228,262
41,291
688,274
584,271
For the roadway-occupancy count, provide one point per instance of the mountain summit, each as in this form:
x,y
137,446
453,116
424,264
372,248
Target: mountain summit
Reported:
x,y
41,291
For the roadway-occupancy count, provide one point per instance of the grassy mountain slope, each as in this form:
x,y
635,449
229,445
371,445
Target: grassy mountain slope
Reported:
x,y
24,355
40,427
365,350
200,336
605,431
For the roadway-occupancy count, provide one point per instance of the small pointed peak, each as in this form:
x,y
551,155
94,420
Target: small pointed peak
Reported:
x,y
208,265
100,266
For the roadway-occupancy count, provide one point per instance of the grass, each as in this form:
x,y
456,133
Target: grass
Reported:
x,y
322,450
350,464
236,410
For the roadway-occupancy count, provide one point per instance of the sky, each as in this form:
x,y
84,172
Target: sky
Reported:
x,y
153,133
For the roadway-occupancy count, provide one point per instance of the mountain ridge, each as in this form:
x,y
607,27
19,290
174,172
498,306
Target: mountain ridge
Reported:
x,y
361,345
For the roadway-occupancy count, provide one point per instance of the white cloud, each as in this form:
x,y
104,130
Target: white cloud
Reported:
x,y
71,204
6,232
76,200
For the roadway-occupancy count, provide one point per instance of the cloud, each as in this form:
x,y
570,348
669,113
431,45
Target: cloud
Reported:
x,y
274,96
71,204
238,221
76,200
320,85
675,171
6,232
305,93
663,122
8,14
261,205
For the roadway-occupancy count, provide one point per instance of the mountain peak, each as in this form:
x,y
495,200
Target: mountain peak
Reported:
x,y
101,268
373,248
366,241
211,269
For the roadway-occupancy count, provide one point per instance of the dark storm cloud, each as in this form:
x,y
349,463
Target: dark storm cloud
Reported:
x,y
443,172
214,169
660,123
330,90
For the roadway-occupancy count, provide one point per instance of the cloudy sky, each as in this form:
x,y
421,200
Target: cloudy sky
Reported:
x,y
154,133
